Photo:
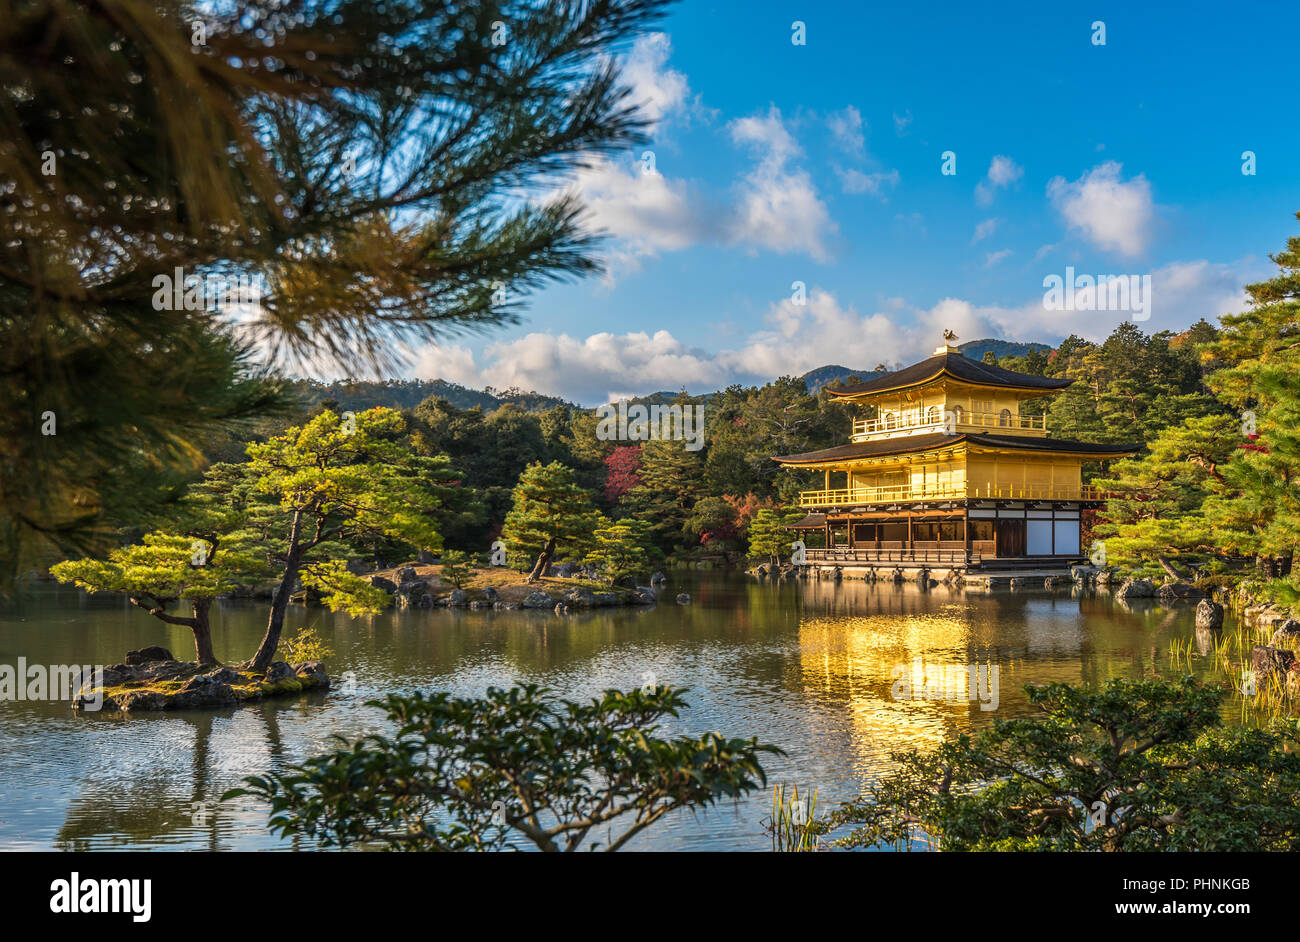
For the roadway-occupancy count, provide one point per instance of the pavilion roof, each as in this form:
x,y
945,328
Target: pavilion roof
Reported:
x,y
954,365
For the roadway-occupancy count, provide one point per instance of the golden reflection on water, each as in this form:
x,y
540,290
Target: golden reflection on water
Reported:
x,y
867,661
910,673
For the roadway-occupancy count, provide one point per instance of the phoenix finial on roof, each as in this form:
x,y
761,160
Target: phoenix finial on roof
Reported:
x,y
948,335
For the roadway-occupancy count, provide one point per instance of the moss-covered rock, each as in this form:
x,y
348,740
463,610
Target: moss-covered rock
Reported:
x,y
180,685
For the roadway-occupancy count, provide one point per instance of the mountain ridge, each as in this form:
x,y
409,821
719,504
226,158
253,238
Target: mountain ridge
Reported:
x,y
356,395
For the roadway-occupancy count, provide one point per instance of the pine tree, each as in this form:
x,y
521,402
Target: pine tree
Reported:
x,y
552,516
1260,352
296,511
368,168
622,549
1154,517
768,533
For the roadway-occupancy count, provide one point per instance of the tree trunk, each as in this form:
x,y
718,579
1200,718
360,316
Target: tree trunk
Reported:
x,y
203,634
543,560
1168,567
275,623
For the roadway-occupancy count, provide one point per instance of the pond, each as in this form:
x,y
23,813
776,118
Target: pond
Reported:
x,y
817,668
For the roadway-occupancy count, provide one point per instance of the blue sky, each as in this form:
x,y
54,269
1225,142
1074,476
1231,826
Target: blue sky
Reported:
x,y
776,163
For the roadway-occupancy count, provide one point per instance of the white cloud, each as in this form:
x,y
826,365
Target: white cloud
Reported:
x,y
657,90
992,258
1003,171
985,229
1111,214
773,206
847,131
795,338
855,181
645,211
901,123
778,207
767,135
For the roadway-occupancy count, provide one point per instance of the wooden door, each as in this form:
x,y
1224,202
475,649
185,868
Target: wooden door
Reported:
x,y
1010,538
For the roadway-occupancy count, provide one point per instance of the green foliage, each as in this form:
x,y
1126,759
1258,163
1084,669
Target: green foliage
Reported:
x,y
768,536
1127,388
482,774
672,480
748,426
623,548
1131,766
552,516
305,644
1155,507
303,503
1224,485
370,166
713,518
166,567
457,568
792,825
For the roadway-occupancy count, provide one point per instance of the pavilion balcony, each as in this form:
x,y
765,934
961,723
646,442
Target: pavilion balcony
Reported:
x,y
892,494
901,554
933,421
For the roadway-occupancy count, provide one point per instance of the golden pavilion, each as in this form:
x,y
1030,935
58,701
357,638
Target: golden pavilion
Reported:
x,y
948,473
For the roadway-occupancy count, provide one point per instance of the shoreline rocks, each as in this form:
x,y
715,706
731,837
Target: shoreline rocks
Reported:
x,y
156,682
1173,592
1135,589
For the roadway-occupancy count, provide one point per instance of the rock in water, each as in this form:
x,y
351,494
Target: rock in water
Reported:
x,y
684,598
1178,592
1209,615
1135,589
278,670
1265,660
313,671
1288,631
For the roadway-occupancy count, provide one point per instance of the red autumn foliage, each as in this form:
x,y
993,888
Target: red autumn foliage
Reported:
x,y
621,469
746,507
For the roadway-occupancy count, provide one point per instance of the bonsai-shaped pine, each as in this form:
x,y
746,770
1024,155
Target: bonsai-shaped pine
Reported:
x,y
332,481
166,568
768,535
481,774
623,548
1133,766
551,514
292,513
456,568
